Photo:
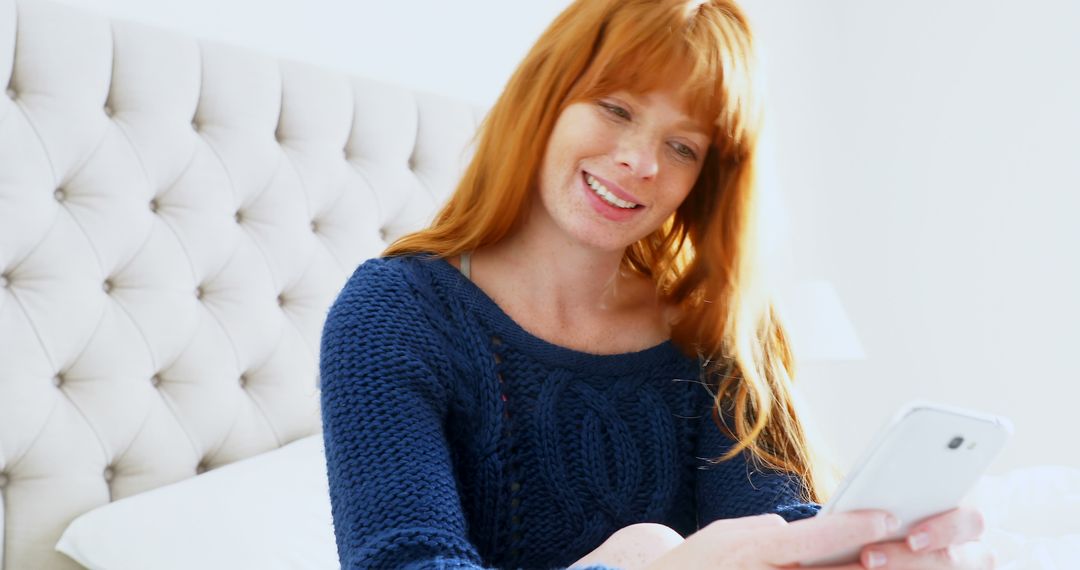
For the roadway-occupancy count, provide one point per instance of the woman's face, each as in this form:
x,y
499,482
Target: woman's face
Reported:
x,y
616,168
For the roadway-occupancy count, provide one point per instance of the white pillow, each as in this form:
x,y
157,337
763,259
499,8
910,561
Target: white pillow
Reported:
x,y
268,511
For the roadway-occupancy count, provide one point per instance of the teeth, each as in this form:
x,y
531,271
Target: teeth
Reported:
x,y
606,195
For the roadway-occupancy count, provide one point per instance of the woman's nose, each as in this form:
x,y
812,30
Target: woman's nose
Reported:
x,y
637,153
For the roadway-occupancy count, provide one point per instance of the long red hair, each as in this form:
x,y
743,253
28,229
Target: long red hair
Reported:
x,y
703,259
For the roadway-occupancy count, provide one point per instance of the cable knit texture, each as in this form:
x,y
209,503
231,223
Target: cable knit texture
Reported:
x,y
456,439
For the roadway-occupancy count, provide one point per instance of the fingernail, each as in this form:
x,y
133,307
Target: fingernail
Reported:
x,y
875,559
918,541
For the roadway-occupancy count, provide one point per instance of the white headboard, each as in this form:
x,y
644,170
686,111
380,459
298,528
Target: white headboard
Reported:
x,y
176,217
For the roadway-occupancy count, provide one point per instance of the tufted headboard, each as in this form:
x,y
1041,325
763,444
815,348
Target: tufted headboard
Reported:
x,y
176,217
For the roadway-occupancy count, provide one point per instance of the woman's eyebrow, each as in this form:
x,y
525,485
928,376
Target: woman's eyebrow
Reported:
x,y
683,124
693,126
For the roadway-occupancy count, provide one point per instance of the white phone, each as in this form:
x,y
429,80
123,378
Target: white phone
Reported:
x,y
922,464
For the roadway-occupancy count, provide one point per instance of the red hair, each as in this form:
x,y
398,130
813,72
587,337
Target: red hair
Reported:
x,y
703,259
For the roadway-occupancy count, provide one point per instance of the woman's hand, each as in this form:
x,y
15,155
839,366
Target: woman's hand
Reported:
x,y
947,541
768,542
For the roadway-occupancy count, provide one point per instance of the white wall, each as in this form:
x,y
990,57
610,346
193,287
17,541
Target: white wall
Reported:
x,y
929,157
463,48
926,152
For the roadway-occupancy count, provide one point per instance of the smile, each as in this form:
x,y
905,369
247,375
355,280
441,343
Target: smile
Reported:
x,y
606,195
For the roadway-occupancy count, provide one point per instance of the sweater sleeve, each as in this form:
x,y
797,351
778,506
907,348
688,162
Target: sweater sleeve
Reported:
x,y
393,490
736,488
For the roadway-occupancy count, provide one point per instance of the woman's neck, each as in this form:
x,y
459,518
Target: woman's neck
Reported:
x,y
562,276
570,293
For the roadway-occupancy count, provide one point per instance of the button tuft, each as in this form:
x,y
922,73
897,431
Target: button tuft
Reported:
x,y
3,480
199,292
238,216
109,474
11,93
243,380
107,286
314,226
59,195
58,380
109,111
281,300
155,380
4,281
201,468
154,205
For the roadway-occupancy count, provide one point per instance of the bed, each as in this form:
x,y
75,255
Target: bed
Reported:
x,y
176,217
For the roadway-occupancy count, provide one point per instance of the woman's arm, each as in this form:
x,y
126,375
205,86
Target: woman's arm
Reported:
x,y
392,488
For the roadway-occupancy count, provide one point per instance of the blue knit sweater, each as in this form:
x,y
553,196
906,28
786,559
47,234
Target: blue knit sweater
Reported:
x,y
455,439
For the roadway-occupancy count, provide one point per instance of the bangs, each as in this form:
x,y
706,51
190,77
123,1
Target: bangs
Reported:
x,y
703,54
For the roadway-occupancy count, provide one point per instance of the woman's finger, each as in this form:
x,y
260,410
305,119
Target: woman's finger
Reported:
x,y
824,536
954,527
898,556
745,523
974,555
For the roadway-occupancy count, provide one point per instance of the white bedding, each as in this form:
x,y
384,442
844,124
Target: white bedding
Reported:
x,y
1031,517
271,512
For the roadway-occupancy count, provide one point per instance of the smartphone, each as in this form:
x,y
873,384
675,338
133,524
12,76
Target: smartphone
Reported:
x,y
921,464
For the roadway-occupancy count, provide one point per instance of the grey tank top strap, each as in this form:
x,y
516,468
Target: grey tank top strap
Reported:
x,y
466,265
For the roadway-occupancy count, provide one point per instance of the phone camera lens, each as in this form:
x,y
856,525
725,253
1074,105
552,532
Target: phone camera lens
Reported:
x,y
956,442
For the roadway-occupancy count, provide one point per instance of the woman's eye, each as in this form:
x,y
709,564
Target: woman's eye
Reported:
x,y
616,110
684,151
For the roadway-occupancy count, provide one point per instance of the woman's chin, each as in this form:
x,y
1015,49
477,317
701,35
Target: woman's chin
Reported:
x,y
602,239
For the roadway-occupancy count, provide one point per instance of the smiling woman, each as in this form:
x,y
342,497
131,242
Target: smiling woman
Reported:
x,y
577,361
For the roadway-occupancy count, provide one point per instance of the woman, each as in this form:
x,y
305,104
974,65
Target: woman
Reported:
x,y
531,381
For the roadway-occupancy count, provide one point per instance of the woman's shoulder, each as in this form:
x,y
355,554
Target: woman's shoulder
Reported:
x,y
390,276
391,294
391,265
399,287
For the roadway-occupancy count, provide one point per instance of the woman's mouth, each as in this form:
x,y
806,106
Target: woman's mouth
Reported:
x,y
601,191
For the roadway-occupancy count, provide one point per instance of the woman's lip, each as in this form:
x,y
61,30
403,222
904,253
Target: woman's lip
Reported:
x,y
602,207
614,189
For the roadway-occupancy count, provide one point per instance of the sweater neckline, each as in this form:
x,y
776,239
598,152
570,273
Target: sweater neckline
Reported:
x,y
510,332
